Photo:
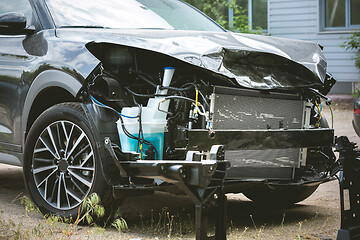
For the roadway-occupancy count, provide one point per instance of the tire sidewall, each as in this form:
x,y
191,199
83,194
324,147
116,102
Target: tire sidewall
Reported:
x,y
68,112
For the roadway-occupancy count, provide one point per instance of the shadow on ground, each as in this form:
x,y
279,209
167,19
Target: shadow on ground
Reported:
x,y
163,214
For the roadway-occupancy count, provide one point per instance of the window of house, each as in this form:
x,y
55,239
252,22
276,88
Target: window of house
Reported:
x,y
258,14
340,14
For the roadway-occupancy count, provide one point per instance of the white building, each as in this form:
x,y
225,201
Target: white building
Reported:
x,y
327,22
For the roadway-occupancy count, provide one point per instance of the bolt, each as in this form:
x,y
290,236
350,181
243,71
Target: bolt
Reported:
x,y
216,196
107,141
162,168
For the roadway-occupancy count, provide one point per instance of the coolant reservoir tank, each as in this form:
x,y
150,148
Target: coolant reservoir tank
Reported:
x,y
153,121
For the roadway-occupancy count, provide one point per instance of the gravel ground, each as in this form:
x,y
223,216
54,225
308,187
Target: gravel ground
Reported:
x,y
318,217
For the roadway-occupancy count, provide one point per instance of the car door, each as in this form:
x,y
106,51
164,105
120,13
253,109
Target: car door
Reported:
x,y
12,59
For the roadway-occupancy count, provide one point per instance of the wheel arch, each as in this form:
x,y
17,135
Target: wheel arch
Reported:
x,y
48,88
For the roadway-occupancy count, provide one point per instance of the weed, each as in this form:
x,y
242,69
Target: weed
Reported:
x,y
282,221
89,212
252,219
92,208
29,205
170,224
279,229
38,231
120,224
245,230
261,230
300,231
166,223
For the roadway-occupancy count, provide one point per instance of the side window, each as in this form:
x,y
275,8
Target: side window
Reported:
x,y
22,6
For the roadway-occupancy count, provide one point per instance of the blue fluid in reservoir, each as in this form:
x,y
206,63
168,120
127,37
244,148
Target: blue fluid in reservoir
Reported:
x,y
156,139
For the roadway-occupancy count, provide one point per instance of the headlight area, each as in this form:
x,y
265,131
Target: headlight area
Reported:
x,y
153,107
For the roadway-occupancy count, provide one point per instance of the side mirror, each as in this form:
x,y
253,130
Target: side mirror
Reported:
x,y
13,24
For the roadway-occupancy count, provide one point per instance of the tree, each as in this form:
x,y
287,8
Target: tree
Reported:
x,y
353,42
218,11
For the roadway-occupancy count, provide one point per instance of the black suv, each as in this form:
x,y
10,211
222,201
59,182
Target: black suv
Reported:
x,y
88,88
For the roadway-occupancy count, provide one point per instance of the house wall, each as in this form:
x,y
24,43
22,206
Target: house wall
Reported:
x,y
301,20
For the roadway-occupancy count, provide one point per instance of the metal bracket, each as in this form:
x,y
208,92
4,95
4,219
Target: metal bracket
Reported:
x,y
202,180
349,180
215,198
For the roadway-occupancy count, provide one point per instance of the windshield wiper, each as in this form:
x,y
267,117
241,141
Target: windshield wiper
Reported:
x,y
85,26
148,28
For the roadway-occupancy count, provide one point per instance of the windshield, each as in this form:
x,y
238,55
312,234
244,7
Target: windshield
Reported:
x,y
146,14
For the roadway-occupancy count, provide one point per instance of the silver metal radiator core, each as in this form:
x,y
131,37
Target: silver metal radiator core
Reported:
x,y
252,110
246,110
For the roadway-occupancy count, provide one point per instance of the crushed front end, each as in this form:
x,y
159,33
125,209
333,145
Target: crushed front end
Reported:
x,y
154,108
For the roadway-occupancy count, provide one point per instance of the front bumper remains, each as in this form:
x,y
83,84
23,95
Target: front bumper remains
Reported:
x,y
260,139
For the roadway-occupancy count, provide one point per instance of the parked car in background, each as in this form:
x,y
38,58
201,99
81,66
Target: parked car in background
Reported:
x,y
161,81
356,120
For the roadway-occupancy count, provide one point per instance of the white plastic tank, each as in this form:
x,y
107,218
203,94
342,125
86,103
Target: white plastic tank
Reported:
x,y
153,121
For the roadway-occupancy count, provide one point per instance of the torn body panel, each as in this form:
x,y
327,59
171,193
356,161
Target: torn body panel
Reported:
x,y
257,62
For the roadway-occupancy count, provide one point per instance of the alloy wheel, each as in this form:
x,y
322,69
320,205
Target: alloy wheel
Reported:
x,y
63,165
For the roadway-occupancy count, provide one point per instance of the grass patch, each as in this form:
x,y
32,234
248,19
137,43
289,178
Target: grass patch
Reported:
x,y
166,224
90,222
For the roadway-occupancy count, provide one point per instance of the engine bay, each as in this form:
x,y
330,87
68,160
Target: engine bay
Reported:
x,y
169,110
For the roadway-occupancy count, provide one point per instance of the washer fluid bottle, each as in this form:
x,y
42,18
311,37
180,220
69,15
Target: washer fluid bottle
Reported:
x,y
153,121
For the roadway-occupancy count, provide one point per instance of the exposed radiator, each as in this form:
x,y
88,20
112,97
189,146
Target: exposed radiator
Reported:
x,y
253,110
246,109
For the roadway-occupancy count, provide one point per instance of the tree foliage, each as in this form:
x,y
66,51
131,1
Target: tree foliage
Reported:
x,y
218,11
353,42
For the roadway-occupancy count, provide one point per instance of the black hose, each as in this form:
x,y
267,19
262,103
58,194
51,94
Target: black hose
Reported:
x,y
129,135
147,80
139,94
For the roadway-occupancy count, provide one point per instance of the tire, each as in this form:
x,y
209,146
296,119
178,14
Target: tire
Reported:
x,y
62,161
280,196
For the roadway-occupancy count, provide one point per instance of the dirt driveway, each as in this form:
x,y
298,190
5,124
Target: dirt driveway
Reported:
x,y
162,215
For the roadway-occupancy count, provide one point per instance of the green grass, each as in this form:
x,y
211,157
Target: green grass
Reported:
x,y
164,223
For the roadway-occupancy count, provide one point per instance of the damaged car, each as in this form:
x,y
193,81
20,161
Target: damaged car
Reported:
x,y
91,90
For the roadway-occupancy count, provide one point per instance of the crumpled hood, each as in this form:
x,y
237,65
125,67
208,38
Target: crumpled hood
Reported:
x,y
254,61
